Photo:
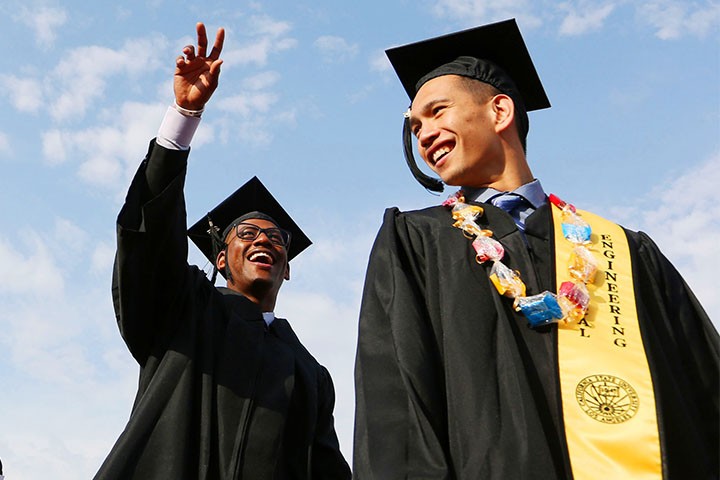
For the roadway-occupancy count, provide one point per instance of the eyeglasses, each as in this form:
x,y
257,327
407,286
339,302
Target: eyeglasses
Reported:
x,y
247,232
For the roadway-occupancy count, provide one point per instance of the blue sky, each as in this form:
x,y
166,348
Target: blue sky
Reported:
x,y
308,103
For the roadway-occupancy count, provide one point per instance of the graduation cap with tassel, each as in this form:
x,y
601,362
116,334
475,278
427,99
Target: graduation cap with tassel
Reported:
x,y
252,200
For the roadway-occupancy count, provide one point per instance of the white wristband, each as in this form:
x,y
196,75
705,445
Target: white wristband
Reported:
x,y
189,113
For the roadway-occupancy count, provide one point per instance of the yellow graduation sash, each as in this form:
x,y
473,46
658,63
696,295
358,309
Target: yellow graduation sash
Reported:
x,y
607,391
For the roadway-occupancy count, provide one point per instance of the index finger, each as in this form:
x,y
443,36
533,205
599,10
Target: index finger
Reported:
x,y
202,39
218,46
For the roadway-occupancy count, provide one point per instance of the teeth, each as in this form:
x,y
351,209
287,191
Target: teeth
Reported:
x,y
439,153
261,256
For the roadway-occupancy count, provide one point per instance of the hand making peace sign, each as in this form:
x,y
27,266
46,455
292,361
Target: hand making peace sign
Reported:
x,y
196,75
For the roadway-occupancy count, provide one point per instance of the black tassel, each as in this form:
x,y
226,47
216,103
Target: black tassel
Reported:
x,y
217,245
432,184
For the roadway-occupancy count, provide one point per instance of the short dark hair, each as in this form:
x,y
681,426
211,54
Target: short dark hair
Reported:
x,y
484,91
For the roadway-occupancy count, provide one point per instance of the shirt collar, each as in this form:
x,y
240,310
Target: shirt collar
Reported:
x,y
532,192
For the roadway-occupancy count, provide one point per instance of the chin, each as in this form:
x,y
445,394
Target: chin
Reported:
x,y
452,180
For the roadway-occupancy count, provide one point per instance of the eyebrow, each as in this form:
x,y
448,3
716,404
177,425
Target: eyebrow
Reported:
x,y
425,108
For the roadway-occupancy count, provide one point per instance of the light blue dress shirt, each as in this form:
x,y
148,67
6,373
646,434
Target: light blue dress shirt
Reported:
x,y
532,192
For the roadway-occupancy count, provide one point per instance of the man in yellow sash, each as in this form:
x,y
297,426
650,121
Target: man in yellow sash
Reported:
x,y
507,334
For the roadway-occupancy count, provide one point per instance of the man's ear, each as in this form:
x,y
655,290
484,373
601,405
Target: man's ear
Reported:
x,y
287,271
504,112
221,259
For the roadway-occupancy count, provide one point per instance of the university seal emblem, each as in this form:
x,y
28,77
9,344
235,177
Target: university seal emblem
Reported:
x,y
607,399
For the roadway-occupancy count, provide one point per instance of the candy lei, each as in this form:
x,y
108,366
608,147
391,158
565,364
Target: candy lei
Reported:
x,y
571,302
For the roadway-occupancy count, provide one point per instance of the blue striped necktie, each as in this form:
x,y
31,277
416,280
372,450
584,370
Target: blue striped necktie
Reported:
x,y
512,204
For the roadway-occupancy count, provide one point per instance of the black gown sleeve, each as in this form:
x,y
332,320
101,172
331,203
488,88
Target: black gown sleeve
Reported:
x,y
400,421
684,354
151,259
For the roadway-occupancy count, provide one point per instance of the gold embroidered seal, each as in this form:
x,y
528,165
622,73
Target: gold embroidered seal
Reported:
x,y
607,399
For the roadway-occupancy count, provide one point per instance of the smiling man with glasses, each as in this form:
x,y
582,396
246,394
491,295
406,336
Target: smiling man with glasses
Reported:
x,y
226,389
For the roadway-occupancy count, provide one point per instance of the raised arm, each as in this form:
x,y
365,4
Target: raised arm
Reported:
x,y
150,275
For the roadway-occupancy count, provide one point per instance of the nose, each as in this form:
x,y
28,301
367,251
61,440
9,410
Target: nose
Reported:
x,y
427,136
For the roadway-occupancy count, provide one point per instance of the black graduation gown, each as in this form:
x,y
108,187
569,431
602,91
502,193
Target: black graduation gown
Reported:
x,y
451,383
221,395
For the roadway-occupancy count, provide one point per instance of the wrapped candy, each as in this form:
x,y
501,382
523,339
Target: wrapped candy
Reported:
x,y
574,300
540,309
577,293
469,228
487,248
561,204
583,265
458,196
574,228
506,281
571,302
464,216
463,211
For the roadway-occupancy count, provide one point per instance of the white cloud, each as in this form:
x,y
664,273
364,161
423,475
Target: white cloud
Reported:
x,y
673,19
264,25
681,217
82,75
248,104
109,154
68,237
250,132
66,350
60,352
32,270
44,21
25,94
42,346
335,49
100,170
254,112
39,260
477,12
102,257
261,80
585,18
53,147
270,37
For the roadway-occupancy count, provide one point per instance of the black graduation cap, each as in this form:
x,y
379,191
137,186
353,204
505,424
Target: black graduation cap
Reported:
x,y
500,43
495,54
251,197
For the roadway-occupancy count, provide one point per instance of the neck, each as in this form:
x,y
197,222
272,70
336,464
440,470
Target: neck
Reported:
x,y
508,183
515,173
263,298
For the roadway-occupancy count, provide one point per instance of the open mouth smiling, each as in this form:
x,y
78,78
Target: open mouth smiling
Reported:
x,y
261,257
440,153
